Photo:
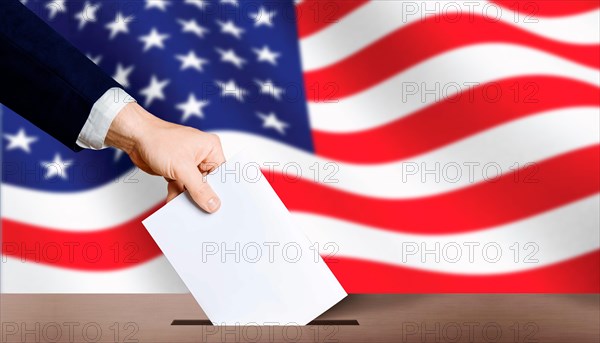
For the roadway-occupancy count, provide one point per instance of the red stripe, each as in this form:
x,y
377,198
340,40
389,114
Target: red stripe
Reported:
x,y
561,180
421,40
455,118
547,8
357,276
544,186
315,15
578,275
118,247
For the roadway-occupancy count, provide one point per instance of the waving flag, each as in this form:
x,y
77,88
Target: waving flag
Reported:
x,y
423,146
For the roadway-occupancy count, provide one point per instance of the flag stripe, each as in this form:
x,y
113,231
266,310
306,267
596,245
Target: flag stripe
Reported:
x,y
455,118
341,40
359,58
540,238
392,58
122,246
579,275
432,81
155,276
558,132
489,203
90,210
358,276
128,245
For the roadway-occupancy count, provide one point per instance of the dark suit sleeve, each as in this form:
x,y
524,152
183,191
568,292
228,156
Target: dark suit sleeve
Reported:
x,y
43,77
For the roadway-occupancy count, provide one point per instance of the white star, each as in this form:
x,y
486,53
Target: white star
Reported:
x,y
193,107
201,4
56,167
160,4
270,121
119,25
193,27
265,54
231,89
20,140
87,14
230,2
231,57
191,61
122,75
55,7
263,17
96,59
267,87
154,39
154,90
229,27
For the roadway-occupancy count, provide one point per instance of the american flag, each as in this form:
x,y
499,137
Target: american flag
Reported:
x,y
443,146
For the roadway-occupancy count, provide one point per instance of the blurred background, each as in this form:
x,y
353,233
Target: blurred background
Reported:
x,y
439,146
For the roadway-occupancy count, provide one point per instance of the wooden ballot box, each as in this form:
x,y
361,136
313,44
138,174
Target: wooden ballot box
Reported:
x,y
396,318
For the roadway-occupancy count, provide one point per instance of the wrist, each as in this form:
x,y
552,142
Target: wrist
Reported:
x,y
129,125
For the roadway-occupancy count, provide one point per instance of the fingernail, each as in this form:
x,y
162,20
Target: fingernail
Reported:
x,y
213,204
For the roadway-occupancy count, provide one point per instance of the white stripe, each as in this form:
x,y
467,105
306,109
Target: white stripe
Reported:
x,y
155,276
516,143
548,243
95,209
441,77
379,18
519,142
557,235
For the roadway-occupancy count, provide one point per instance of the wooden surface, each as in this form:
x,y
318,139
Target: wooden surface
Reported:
x,y
381,318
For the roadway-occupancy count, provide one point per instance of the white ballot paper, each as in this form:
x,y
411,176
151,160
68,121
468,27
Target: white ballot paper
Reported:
x,y
246,264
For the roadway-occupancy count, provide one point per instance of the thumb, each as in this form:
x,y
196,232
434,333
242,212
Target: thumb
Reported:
x,y
200,190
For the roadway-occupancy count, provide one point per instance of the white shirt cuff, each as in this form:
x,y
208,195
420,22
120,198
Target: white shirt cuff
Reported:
x,y
104,110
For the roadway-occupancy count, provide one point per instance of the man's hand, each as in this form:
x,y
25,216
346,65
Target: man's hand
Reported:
x,y
181,154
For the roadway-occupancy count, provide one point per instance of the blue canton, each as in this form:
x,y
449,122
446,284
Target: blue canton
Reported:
x,y
223,65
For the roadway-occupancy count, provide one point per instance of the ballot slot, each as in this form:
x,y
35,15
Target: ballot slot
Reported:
x,y
206,322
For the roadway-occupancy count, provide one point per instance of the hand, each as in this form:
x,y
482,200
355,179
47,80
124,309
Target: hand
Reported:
x,y
181,154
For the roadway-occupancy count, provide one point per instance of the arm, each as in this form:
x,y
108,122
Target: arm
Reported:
x,y
53,85
44,78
